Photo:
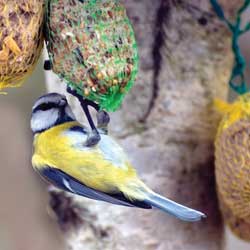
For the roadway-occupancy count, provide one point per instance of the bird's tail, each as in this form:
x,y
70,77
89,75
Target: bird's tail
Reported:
x,y
173,208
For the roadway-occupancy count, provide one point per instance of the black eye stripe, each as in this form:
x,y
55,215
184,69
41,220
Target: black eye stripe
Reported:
x,y
46,106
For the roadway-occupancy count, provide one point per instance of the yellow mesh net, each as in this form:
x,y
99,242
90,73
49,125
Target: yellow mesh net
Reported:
x,y
233,165
21,39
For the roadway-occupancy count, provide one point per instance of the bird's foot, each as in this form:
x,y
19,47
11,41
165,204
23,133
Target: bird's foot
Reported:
x,y
93,138
103,118
73,92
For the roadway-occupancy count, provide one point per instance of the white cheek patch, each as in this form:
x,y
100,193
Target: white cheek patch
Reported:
x,y
44,119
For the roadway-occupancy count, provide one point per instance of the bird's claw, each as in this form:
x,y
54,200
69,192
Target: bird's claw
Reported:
x,y
73,92
93,138
103,119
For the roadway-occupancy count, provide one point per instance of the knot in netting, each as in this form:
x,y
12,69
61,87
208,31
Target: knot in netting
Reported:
x,y
237,31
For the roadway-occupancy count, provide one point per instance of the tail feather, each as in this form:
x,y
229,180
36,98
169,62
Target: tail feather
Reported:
x,y
173,208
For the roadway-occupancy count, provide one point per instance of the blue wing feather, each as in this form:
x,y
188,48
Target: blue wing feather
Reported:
x,y
68,183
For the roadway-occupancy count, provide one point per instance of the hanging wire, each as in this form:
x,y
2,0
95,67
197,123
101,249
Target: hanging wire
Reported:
x,y
239,62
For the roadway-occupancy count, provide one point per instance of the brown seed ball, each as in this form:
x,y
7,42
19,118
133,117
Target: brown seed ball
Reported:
x,y
232,152
94,37
21,39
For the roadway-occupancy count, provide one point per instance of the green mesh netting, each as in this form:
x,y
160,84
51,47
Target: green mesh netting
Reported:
x,y
237,31
92,47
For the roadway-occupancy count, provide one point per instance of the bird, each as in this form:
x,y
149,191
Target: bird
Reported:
x,y
101,172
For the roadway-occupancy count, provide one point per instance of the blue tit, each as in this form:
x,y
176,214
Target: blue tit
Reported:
x,y
101,172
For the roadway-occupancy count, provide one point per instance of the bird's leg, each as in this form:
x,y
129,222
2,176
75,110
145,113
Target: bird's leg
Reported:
x,y
103,120
102,116
80,98
92,104
94,136
74,93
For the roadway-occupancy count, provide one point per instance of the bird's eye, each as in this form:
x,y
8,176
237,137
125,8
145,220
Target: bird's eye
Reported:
x,y
46,106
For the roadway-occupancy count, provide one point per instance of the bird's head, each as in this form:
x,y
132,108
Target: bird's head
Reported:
x,y
50,110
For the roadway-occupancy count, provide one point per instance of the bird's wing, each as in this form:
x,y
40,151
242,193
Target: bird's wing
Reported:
x,y
72,166
107,146
70,184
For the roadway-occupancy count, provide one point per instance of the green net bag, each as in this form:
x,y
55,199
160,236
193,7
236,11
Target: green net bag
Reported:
x,y
92,47
21,39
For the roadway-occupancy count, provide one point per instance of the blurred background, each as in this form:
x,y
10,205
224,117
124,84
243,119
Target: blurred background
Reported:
x,y
24,221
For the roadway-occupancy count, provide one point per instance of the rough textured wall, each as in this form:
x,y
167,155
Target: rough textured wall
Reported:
x,y
167,125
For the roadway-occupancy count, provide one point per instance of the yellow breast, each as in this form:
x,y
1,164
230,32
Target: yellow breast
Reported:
x,y
95,166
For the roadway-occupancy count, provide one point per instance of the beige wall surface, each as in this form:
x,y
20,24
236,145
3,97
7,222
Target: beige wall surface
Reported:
x,y
24,223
